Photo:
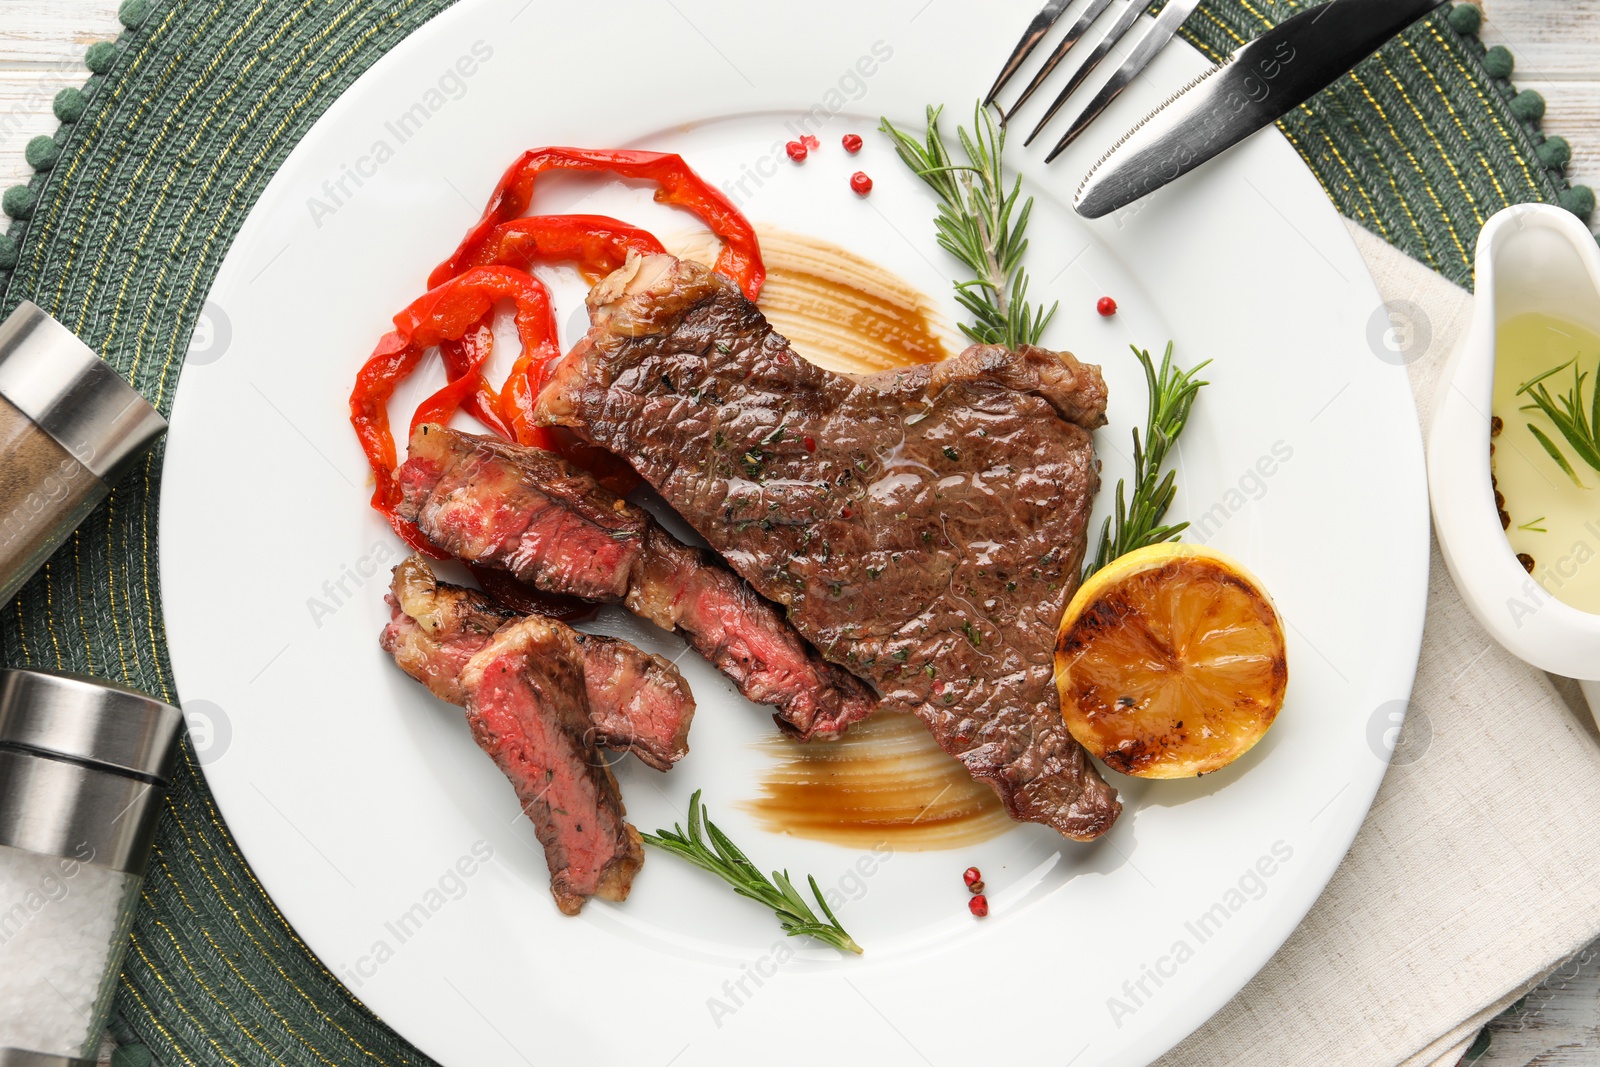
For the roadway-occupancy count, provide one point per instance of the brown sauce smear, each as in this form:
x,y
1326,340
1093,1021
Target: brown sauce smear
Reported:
x,y
839,310
884,781
887,780
844,312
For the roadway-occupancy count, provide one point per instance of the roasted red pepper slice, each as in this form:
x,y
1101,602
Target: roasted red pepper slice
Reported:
x,y
447,313
456,313
677,185
467,387
599,245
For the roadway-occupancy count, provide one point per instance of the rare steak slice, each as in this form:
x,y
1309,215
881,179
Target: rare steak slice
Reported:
x,y
924,527
530,513
636,702
526,706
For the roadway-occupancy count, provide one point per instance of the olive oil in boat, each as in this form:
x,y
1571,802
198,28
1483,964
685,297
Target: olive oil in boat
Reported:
x,y
1553,522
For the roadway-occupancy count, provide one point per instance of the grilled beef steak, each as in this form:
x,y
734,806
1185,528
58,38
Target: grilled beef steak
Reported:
x,y
526,706
923,527
530,513
636,702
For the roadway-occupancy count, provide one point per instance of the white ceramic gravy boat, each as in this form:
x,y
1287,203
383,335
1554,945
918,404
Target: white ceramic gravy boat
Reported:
x,y
1531,258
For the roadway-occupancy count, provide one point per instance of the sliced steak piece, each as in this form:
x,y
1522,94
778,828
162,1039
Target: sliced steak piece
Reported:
x,y
924,527
552,526
526,706
521,510
435,628
636,702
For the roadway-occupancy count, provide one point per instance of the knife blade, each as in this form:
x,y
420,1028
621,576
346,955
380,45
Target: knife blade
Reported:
x,y
1167,24
1074,34
1253,88
1125,20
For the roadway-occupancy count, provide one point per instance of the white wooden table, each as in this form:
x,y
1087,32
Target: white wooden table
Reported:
x,y
1557,47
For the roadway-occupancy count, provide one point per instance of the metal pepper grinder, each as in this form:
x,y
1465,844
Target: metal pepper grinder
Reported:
x,y
69,428
84,765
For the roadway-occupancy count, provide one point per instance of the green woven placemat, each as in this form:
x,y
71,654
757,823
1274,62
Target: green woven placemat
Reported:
x,y
158,160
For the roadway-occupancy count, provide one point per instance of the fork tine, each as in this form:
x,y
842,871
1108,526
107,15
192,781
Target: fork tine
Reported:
x,y
1030,40
1125,20
1074,35
1166,25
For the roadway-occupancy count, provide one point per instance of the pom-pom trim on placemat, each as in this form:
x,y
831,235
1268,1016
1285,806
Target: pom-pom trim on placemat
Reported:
x,y
1553,153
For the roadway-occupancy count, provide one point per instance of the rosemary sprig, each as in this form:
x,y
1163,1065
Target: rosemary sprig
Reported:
x,y
724,859
1578,422
981,224
1138,522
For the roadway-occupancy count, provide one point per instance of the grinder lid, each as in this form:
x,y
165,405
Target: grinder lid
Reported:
x,y
89,720
72,394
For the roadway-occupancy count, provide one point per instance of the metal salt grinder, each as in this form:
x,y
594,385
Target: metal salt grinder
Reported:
x,y
84,765
69,428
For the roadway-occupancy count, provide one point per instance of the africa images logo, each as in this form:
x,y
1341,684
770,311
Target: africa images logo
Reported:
x,y
1251,885
452,84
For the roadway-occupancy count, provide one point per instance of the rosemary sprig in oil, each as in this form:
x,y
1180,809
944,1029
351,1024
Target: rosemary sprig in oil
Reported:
x,y
1578,422
724,859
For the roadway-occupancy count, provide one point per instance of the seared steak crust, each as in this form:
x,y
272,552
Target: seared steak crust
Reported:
x,y
923,527
636,702
549,524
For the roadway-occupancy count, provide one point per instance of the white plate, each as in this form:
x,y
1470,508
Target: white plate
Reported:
x,y
355,795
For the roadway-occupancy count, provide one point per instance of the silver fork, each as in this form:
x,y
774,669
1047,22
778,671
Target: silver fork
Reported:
x,y
1152,41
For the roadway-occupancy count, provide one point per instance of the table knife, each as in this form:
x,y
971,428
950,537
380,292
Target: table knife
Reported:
x,y
1253,88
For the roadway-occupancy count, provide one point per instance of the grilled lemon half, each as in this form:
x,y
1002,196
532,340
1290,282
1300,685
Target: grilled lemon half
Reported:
x,y
1170,662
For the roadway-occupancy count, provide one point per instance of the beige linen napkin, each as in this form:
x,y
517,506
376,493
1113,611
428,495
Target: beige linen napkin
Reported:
x,y
1478,869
